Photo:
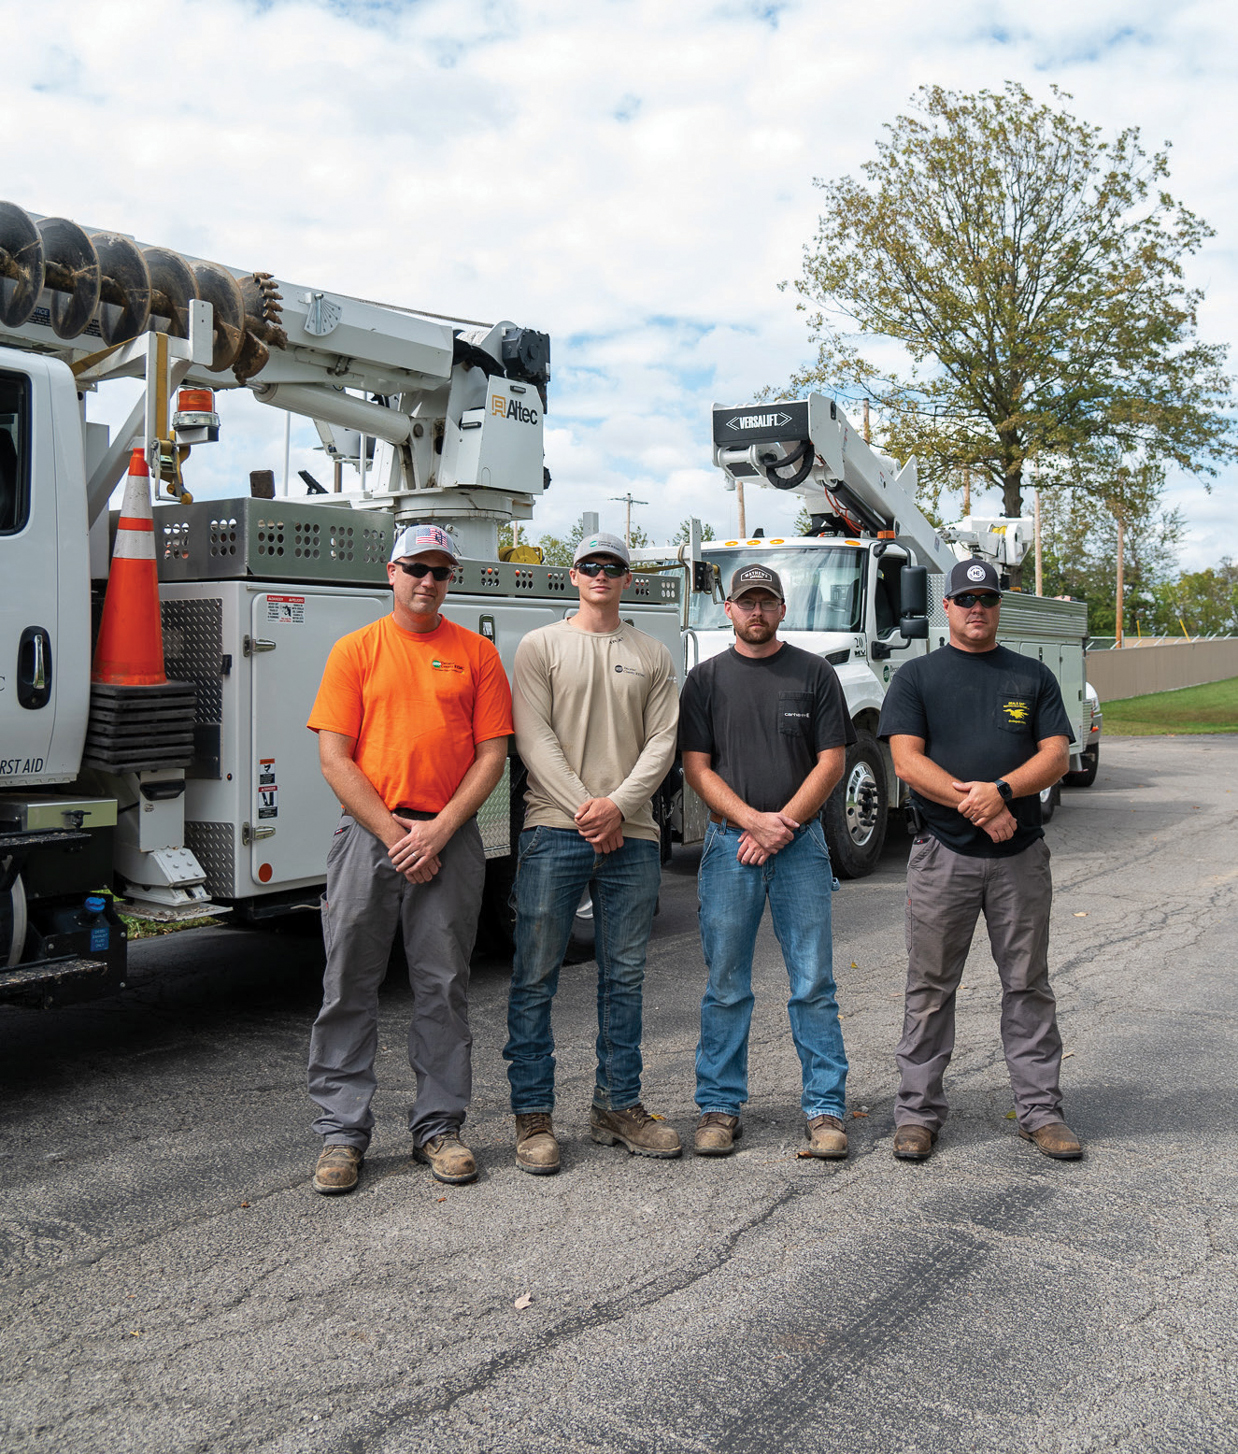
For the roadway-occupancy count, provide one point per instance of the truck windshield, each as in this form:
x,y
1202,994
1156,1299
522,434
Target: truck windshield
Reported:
x,y
822,585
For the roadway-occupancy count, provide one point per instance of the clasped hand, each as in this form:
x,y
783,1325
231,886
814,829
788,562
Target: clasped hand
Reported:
x,y
416,855
984,806
600,823
765,837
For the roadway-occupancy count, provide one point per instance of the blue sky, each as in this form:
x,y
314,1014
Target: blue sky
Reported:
x,y
632,177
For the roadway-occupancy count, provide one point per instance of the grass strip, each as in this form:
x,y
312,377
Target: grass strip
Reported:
x,y
1211,707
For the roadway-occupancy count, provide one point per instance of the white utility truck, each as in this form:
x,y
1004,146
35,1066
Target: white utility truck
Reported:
x,y
206,793
858,593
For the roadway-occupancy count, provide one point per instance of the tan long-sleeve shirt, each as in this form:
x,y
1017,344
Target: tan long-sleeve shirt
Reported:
x,y
596,717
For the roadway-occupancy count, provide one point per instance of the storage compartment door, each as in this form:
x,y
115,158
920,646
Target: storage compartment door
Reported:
x,y
291,632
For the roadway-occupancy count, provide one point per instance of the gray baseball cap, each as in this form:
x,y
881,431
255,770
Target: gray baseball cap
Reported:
x,y
973,575
755,578
419,539
602,544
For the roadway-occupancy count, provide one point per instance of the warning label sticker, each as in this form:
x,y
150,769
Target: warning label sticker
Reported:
x,y
286,610
268,793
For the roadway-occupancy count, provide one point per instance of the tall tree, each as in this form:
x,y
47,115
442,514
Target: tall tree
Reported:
x,y
684,533
1031,275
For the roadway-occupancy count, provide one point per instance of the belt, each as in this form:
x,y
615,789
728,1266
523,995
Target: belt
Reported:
x,y
414,813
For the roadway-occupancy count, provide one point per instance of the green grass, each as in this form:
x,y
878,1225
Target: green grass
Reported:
x,y
1212,707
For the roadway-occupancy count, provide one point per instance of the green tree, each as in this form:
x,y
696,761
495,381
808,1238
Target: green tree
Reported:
x,y
1204,602
558,550
1031,275
684,533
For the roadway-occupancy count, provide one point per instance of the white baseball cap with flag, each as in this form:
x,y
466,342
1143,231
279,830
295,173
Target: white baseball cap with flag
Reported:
x,y
420,539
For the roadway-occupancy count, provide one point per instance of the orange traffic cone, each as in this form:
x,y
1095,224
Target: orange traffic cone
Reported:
x,y
129,651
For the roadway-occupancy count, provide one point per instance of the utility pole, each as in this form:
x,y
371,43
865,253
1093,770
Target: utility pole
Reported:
x,y
1121,602
739,502
627,525
1040,576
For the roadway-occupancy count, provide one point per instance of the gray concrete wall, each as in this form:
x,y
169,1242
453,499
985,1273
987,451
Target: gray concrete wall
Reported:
x,y
1138,669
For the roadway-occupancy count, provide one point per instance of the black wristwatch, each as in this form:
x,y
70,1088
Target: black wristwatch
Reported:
x,y
1003,787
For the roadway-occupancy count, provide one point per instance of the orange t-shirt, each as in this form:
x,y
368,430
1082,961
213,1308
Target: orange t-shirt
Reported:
x,y
417,703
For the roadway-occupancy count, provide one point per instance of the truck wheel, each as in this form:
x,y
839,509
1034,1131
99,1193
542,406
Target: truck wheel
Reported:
x,y
1049,799
1086,775
13,922
857,810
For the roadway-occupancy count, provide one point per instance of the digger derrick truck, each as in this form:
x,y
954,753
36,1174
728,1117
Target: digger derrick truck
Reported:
x,y
205,794
858,593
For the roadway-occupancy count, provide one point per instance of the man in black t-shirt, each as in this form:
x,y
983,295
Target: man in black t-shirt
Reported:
x,y
977,732
764,731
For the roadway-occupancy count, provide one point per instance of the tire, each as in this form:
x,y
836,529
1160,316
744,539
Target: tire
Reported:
x,y
858,810
1086,775
1049,799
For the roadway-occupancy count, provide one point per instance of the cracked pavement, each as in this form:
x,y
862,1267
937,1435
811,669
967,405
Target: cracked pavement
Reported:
x,y
171,1281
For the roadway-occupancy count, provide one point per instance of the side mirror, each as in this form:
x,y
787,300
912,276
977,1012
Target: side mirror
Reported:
x,y
913,612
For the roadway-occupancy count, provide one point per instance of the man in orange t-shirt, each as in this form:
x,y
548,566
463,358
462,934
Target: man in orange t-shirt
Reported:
x,y
413,717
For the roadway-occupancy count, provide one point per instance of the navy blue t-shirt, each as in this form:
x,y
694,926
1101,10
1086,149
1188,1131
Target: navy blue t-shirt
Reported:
x,y
981,715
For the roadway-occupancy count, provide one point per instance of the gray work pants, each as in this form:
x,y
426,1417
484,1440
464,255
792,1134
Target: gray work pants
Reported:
x,y
366,899
946,893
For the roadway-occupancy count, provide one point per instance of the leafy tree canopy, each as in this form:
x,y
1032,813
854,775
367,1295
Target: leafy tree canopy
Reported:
x,y
1031,275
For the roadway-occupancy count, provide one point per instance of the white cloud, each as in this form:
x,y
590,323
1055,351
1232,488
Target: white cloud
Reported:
x,y
633,177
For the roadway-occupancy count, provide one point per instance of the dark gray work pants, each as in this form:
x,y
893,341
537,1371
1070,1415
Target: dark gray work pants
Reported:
x,y
946,893
365,900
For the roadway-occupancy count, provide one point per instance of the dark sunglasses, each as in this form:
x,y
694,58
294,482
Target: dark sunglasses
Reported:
x,y
610,568
969,599
419,569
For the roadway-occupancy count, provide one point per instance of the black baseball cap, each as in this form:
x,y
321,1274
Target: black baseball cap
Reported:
x,y
973,575
755,578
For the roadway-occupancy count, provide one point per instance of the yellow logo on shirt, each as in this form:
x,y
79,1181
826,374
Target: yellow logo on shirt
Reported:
x,y
1017,711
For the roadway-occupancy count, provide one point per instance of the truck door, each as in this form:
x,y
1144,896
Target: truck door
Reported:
x,y
292,630
44,614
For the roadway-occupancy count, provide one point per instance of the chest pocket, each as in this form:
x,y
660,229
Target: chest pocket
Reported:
x,y
795,714
1014,714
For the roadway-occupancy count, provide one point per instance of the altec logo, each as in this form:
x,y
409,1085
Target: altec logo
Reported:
x,y
512,409
758,421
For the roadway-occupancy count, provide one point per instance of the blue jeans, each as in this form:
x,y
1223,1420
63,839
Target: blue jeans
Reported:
x,y
798,882
555,867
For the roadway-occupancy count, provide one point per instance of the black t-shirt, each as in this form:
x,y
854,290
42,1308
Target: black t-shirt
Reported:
x,y
981,715
763,720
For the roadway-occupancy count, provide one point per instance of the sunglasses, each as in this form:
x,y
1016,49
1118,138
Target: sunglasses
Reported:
x,y
612,569
420,569
969,599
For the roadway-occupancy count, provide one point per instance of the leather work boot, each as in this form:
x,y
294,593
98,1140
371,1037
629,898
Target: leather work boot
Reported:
x,y
1056,1140
826,1138
716,1134
337,1170
537,1151
913,1143
448,1158
641,1133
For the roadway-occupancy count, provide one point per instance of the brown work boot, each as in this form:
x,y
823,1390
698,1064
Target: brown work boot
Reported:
x,y
640,1132
1056,1140
716,1134
537,1150
913,1143
826,1138
337,1170
448,1158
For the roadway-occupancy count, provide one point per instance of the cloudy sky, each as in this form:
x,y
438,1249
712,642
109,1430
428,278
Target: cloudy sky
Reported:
x,y
635,178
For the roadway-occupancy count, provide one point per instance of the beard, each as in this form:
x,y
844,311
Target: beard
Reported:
x,y
756,630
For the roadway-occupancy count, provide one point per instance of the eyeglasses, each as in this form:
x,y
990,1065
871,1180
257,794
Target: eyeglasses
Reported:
x,y
612,569
766,608
420,569
969,599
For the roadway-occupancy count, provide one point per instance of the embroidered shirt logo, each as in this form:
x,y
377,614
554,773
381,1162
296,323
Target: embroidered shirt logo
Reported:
x,y
632,671
1017,711
439,665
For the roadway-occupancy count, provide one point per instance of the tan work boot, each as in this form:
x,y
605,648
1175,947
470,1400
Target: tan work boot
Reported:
x,y
448,1158
537,1150
913,1142
641,1133
337,1170
1056,1140
716,1134
826,1138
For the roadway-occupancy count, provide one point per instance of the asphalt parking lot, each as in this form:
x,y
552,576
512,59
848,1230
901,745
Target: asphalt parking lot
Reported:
x,y
171,1282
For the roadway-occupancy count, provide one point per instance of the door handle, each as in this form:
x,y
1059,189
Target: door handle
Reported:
x,y
252,645
34,668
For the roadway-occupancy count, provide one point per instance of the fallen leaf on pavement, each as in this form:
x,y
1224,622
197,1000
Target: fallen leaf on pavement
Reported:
x,y
1081,914
523,1301
1010,1115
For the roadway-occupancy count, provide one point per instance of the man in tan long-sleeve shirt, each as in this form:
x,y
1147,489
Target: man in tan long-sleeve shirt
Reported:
x,y
596,709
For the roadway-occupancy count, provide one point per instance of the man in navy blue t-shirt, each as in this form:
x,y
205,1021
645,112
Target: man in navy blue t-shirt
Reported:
x,y
977,732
